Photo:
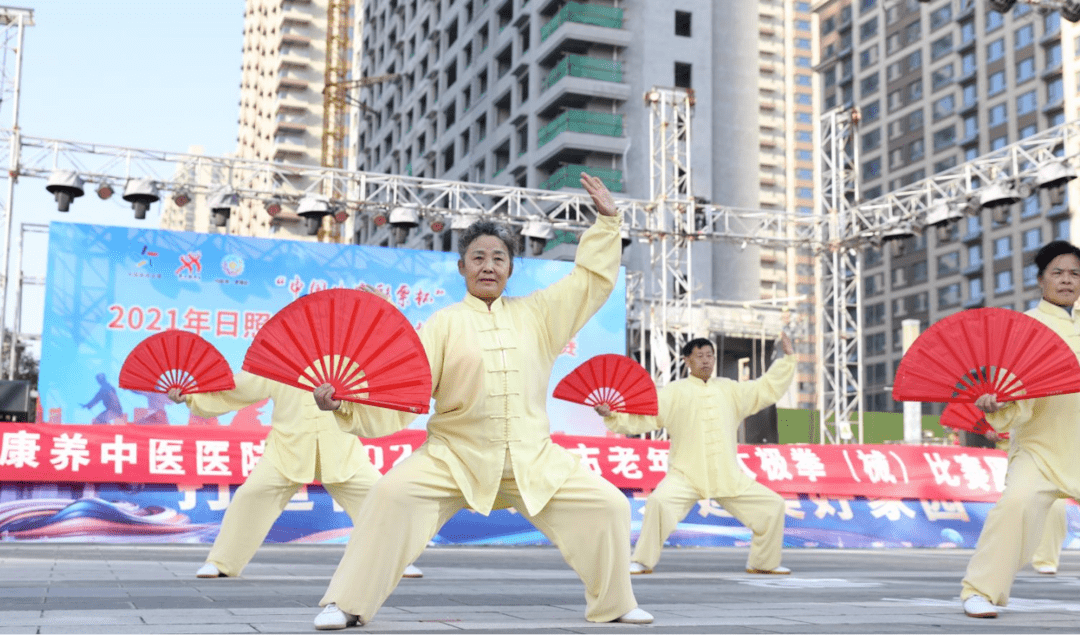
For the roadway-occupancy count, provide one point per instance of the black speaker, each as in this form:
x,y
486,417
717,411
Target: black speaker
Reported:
x,y
15,400
762,428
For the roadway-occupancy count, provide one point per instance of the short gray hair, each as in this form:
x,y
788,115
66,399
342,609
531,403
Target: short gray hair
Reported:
x,y
485,228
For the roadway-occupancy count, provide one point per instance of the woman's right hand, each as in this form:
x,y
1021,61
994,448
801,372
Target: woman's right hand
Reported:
x,y
175,396
602,409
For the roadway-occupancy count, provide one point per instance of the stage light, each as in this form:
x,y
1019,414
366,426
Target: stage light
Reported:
x,y
221,201
1070,10
313,209
141,193
1053,177
1001,6
340,215
437,224
273,206
465,217
998,199
402,219
181,197
105,191
538,232
64,185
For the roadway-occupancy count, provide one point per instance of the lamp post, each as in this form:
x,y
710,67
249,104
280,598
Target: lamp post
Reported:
x,y
17,19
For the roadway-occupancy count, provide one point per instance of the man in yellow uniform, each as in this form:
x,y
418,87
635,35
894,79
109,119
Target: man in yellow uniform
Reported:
x,y
304,445
702,415
489,441
1042,458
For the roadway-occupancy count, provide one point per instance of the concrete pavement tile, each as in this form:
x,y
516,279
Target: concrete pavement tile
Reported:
x,y
7,618
157,628
23,592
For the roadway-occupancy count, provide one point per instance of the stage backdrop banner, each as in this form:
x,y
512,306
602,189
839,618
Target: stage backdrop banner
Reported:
x,y
199,455
108,288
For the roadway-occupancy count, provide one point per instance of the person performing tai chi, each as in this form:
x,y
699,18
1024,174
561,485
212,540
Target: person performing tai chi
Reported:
x,y
1042,456
305,444
702,415
489,440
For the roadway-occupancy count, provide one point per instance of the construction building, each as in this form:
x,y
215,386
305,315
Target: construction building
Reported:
x,y
936,84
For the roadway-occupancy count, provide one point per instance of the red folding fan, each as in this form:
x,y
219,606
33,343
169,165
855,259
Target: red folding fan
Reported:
x,y
615,380
982,351
176,359
966,417
352,339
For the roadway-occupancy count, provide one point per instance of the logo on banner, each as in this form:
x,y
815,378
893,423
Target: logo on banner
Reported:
x,y
147,255
190,266
232,265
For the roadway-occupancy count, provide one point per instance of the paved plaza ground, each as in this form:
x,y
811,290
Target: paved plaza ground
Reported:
x,y
90,588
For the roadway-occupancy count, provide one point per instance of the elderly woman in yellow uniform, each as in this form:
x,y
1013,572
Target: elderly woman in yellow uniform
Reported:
x,y
702,415
305,444
1042,458
489,443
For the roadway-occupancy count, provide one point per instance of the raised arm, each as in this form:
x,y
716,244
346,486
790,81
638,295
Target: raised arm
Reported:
x,y
753,396
567,305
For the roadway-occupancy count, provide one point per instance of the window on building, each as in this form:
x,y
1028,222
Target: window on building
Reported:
x,y
868,56
1055,91
998,143
975,289
868,29
1003,282
874,314
1002,247
944,138
941,47
971,95
1033,239
914,90
1024,36
998,115
1053,55
948,263
683,75
968,63
916,150
894,70
682,23
1025,69
915,120
914,61
971,126
868,85
974,252
941,17
871,140
997,83
1026,103
944,107
994,20
995,50
1061,229
871,112
942,76
918,274
872,169
1031,275
948,296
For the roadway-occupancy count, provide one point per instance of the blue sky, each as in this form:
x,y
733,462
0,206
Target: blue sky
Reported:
x,y
152,74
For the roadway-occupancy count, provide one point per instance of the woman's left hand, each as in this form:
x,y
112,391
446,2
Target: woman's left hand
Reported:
x,y
601,197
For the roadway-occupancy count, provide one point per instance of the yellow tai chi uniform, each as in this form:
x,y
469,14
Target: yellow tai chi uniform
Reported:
x,y
702,420
305,444
1048,553
1043,468
489,444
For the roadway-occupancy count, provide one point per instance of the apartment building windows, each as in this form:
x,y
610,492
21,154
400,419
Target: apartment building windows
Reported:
x,y
948,296
868,29
948,263
874,314
975,290
998,115
1033,239
1024,36
995,50
1053,55
942,77
871,140
1003,282
1061,229
994,21
1031,276
868,56
1025,69
1055,91
1002,247
944,107
996,83
941,47
940,17
974,256
868,86
683,75
944,138
1026,103
875,344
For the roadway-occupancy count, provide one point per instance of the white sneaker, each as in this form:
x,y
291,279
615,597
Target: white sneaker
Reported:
x,y
635,616
208,570
978,606
636,568
412,571
1046,569
334,619
776,571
